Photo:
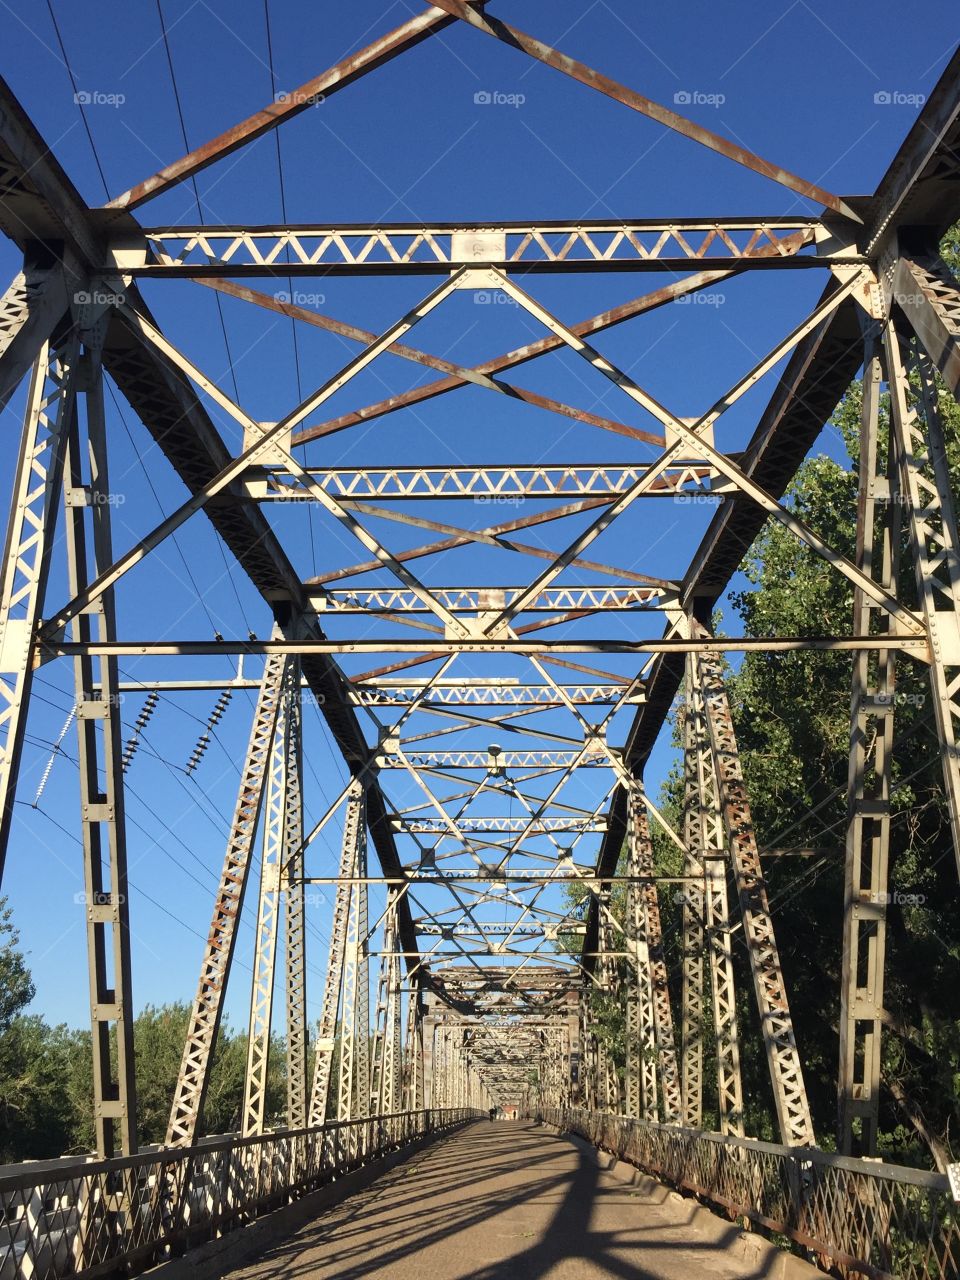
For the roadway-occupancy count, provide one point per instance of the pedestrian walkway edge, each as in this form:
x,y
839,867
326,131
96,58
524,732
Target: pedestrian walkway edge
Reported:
x,y
751,1247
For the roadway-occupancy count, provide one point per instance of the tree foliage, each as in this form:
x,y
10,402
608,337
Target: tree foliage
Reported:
x,y
46,1073
792,716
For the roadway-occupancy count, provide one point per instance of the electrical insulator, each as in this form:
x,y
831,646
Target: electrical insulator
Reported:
x,y
53,755
216,715
141,722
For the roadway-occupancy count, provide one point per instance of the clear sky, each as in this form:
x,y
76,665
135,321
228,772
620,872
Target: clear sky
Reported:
x,y
461,128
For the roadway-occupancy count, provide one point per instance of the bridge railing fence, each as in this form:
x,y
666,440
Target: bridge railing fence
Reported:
x,y
90,1217
856,1217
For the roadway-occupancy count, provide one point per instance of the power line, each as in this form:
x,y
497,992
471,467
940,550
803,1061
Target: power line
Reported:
x,y
77,97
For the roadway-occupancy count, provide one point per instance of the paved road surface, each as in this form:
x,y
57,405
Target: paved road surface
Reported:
x,y
505,1201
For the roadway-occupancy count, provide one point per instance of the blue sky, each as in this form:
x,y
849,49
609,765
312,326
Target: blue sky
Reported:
x,y
805,88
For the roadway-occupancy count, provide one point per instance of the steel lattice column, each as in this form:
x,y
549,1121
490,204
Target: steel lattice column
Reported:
x,y
662,1012
33,305
353,832
295,932
388,1044
786,1074
353,1093
607,1085
413,1067
640,1021
275,850
925,483
33,517
868,788
694,904
364,1102
716,920
194,1076
87,489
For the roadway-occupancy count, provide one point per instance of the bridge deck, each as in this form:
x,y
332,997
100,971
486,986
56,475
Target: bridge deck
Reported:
x,y
509,1200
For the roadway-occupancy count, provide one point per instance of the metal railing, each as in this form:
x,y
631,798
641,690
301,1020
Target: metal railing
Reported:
x,y
90,1217
856,1217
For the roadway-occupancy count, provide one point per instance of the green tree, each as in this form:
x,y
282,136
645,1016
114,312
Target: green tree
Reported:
x,y
792,713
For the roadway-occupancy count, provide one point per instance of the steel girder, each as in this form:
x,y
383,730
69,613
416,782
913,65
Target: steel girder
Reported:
x,y
36,301
194,1076
239,252
706,923
39,203
99,749
353,834
869,783
783,1057
157,379
916,191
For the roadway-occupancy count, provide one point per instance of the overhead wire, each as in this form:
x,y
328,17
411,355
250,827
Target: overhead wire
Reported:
x,y
151,750
283,213
219,304
77,97
226,825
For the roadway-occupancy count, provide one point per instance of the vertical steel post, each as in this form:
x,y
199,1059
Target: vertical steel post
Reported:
x,y
353,829
293,889
925,483
640,1021
662,1012
351,1101
868,787
26,557
388,1040
273,851
694,900
101,776
786,1074
194,1077
712,856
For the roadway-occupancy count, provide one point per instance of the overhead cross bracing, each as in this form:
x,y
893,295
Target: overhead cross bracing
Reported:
x,y
494,680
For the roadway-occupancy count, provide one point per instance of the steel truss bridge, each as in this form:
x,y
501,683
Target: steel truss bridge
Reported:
x,y
494,805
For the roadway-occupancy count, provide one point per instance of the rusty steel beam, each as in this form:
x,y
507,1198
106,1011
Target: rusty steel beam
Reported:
x,y
520,355
366,336
38,201
288,105
492,536
585,75
916,191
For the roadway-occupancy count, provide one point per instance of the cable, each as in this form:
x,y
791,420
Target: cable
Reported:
x,y
283,214
77,97
173,537
217,298
226,824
